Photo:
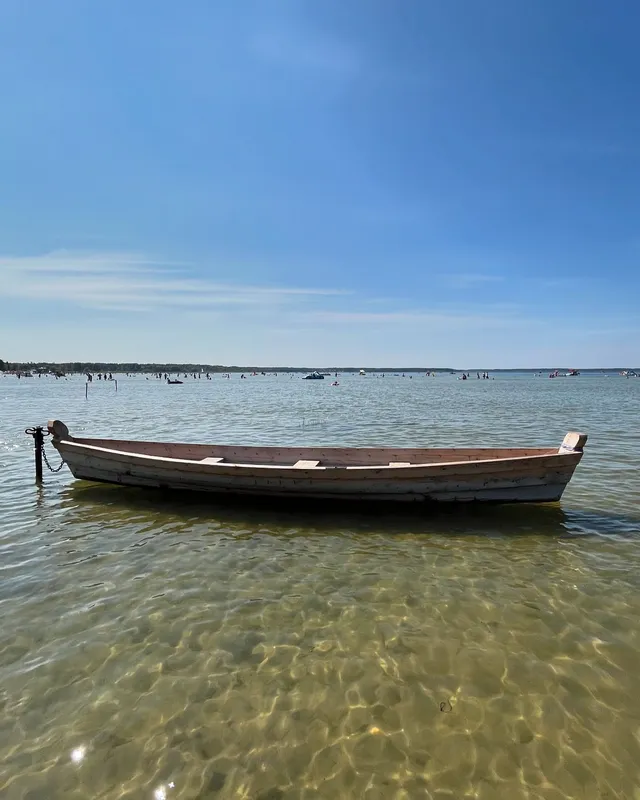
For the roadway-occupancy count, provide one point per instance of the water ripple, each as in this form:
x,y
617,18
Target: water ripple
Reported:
x,y
164,647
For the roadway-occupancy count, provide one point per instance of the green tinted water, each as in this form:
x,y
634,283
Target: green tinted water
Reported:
x,y
157,647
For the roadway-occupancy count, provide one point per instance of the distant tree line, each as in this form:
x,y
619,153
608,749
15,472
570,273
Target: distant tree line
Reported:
x,y
112,366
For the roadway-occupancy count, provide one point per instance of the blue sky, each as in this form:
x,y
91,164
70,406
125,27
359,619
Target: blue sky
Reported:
x,y
302,182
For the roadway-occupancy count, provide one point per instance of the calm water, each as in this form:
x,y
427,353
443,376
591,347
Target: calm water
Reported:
x,y
160,648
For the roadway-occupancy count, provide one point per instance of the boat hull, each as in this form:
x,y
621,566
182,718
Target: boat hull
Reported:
x,y
536,476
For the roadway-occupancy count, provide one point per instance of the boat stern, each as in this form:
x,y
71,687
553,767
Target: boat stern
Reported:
x,y
573,442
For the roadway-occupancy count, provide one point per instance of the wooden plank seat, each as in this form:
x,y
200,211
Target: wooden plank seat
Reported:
x,y
302,464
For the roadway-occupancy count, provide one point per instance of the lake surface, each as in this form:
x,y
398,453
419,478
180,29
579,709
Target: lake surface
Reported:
x,y
158,648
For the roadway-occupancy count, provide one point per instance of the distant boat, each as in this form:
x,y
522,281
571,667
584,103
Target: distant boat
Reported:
x,y
365,474
572,373
314,376
172,382
362,372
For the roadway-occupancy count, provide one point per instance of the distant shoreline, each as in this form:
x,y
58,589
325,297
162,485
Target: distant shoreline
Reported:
x,y
146,368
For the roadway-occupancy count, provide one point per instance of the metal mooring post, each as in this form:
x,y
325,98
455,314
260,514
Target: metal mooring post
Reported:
x,y
38,444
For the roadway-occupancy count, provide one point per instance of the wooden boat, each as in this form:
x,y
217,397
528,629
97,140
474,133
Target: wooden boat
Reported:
x,y
532,474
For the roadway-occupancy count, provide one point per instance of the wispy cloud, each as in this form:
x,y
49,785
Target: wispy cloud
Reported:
x,y
562,283
467,280
295,49
442,319
132,282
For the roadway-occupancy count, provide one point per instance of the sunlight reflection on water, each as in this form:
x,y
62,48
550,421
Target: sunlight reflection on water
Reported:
x,y
171,645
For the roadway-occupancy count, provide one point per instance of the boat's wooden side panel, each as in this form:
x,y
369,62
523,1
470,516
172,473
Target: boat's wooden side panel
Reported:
x,y
542,477
303,478
546,492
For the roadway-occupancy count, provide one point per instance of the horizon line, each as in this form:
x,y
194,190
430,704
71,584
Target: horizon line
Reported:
x,y
143,366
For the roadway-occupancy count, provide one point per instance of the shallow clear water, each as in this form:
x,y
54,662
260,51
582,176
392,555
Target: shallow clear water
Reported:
x,y
160,647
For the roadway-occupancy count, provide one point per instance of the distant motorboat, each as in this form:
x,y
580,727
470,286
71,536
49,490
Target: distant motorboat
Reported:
x,y
172,382
362,372
314,376
572,373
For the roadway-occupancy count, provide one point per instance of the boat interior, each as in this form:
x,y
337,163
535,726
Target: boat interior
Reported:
x,y
312,457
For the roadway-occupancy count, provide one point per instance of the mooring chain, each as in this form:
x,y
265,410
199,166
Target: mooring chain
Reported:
x,y
34,432
46,461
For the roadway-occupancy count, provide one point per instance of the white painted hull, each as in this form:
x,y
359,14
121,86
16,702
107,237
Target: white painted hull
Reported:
x,y
515,475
